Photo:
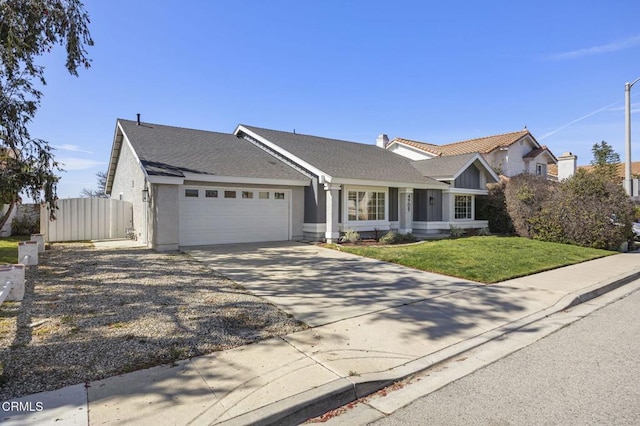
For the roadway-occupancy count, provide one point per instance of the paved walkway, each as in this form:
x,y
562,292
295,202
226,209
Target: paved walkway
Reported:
x,y
373,323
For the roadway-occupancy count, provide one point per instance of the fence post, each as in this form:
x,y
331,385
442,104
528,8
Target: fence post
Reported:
x,y
39,238
28,252
13,275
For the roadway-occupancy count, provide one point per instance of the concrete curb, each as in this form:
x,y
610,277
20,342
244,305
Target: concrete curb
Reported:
x,y
315,402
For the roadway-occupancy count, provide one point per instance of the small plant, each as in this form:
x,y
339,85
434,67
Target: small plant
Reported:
x,y
350,236
390,237
484,232
455,231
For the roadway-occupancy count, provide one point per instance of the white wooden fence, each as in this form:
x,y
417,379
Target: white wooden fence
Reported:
x,y
79,219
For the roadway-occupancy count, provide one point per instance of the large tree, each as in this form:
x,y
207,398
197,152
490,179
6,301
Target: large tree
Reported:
x,y
28,30
605,161
100,192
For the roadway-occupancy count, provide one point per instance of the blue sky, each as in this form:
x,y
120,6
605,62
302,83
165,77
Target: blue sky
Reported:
x,y
435,72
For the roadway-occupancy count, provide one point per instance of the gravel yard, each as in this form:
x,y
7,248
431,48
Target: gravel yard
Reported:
x,y
93,313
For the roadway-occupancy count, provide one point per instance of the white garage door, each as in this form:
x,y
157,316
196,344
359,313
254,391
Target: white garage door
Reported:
x,y
210,215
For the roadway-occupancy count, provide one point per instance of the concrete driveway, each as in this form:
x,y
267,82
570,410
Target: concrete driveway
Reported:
x,y
321,286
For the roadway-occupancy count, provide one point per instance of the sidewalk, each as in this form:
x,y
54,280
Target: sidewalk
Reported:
x,y
289,379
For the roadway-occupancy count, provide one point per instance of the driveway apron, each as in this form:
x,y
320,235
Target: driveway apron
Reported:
x,y
321,286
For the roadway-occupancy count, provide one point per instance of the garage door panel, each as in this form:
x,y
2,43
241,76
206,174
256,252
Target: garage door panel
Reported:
x,y
234,220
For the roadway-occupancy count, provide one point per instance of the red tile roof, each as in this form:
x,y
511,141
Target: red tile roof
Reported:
x,y
430,148
483,145
480,145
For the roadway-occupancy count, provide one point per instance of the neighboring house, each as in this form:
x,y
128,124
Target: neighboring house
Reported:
x,y
508,154
620,173
567,167
192,187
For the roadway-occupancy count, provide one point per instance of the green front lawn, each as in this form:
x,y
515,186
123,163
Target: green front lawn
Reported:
x,y
9,249
483,259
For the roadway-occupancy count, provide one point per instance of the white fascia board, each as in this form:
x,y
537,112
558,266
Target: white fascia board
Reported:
x,y
466,191
381,183
116,146
283,152
244,180
165,180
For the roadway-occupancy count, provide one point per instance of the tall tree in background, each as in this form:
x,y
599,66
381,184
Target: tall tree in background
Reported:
x,y
29,29
96,193
605,161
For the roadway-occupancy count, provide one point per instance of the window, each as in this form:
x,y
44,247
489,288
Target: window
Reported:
x,y
191,193
229,194
247,194
462,207
540,169
263,195
366,205
278,195
211,193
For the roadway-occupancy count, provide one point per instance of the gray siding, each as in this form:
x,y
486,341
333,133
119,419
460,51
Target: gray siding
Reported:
x,y
393,204
470,178
315,203
422,209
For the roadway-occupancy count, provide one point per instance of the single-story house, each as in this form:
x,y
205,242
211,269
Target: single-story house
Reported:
x,y
509,154
193,187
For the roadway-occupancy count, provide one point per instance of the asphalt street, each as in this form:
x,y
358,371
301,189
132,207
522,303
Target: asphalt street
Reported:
x,y
586,373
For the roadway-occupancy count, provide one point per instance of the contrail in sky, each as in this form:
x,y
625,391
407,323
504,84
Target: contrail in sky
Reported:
x,y
577,120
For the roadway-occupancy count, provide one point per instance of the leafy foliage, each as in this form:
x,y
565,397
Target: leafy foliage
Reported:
x,y
393,237
493,208
588,210
25,225
525,195
29,29
605,161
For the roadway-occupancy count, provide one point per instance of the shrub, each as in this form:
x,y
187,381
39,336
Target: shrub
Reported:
x,y
586,210
455,231
350,236
393,237
593,211
525,195
494,210
25,225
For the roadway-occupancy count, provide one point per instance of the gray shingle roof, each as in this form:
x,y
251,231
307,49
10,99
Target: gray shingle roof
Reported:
x,y
343,159
443,167
169,151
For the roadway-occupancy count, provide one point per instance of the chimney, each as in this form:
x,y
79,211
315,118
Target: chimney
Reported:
x,y
138,119
382,141
566,166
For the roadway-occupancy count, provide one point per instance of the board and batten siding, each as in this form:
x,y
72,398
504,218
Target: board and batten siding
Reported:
x,y
80,219
469,179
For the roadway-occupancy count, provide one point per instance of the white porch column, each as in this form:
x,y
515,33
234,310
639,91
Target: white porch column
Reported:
x,y
405,213
332,233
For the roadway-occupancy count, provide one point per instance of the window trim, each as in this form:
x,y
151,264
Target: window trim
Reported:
x,y
378,190
468,205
